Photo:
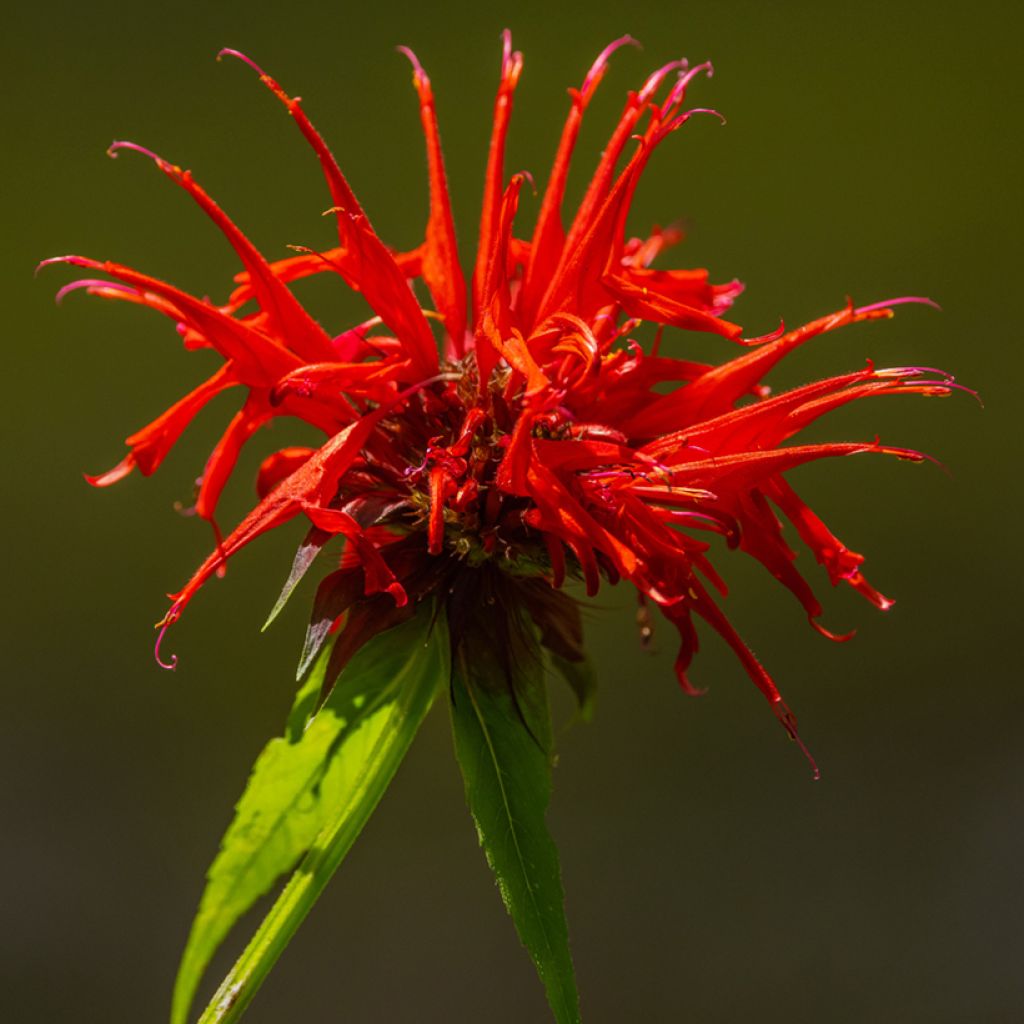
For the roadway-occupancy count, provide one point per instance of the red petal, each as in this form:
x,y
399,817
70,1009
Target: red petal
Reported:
x,y
494,178
276,467
441,269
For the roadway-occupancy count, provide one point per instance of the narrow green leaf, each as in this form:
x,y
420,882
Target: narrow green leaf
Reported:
x,y
306,698
501,749
581,678
304,558
337,592
312,792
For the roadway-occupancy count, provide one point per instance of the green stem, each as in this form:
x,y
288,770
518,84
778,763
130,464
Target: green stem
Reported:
x,y
296,900
425,673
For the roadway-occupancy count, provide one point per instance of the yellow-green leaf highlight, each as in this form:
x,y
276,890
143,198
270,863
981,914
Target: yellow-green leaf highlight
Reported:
x,y
310,793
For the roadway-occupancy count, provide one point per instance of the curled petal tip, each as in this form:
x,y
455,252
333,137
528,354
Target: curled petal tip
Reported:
x,y
706,110
706,67
686,76
227,51
89,282
520,175
75,261
172,616
172,663
654,80
49,261
118,144
597,69
417,67
111,476
839,638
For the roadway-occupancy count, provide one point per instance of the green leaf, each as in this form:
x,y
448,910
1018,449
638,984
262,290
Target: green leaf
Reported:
x,y
305,556
503,753
337,592
311,793
308,696
581,678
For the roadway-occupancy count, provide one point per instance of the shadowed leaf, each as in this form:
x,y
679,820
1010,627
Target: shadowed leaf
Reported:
x,y
502,736
581,678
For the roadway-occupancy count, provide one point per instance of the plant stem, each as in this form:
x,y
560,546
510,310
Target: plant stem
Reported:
x,y
296,900
336,838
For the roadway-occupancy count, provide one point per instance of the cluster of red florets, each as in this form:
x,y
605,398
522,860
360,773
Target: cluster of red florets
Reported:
x,y
516,426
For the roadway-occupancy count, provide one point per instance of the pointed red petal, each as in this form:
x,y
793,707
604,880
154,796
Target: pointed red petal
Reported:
x,y
290,320
494,179
441,269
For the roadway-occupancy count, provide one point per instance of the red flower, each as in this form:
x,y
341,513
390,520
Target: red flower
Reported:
x,y
538,444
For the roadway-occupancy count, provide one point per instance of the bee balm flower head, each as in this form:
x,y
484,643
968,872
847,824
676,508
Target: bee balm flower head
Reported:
x,y
496,428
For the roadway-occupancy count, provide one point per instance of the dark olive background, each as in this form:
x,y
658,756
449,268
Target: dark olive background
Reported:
x,y
871,149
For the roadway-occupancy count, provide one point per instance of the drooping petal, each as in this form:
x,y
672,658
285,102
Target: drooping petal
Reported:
x,y
257,359
313,483
378,575
254,414
150,445
289,319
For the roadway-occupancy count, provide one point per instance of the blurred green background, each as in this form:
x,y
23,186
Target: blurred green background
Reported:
x,y
871,149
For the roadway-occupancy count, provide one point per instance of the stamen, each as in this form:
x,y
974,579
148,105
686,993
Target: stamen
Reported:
x,y
815,770
678,91
93,282
910,455
910,371
597,69
903,300
788,720
946,382
323,257
417,67
839,638
686,115
115,147
653,83
75,261
164,624
246,60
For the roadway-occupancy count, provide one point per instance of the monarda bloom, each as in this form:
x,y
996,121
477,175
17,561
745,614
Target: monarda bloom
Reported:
x,y
492,432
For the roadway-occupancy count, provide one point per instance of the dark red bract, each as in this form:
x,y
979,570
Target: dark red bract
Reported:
x,y
515,428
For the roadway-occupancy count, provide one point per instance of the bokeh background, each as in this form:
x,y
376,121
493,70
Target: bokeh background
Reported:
x,y
871,149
